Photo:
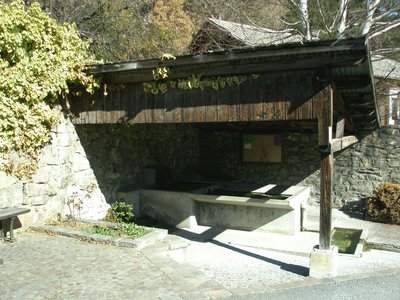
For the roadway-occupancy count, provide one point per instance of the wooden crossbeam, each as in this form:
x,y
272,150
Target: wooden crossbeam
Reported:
x,y
342,143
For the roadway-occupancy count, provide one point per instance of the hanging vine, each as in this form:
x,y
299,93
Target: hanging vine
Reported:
x,y
161,82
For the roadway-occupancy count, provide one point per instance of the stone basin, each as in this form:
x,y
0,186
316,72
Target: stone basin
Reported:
x,y
235,205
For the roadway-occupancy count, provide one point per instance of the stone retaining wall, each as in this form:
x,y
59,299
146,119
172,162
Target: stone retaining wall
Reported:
x,y
359,169
63,171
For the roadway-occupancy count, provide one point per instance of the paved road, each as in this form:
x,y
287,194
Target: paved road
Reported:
x,y
38,266
371,288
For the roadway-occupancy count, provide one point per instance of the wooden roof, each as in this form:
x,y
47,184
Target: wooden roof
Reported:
x,y
347,60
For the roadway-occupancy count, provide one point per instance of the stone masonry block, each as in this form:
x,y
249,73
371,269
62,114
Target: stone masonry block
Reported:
x,y
38,189
39,200
324,263
6,180
80,162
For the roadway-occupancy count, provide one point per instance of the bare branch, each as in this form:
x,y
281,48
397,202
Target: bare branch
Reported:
x,y
323,17
390,26
288,23
385,50
371,8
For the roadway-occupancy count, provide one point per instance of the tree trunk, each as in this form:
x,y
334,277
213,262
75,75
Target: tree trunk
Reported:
x,y
342,13
369,20
304,19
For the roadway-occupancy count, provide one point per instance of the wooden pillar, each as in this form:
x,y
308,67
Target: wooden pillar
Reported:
x,y
325,122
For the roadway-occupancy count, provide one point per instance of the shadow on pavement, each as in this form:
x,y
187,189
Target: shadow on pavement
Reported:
x,y
209,235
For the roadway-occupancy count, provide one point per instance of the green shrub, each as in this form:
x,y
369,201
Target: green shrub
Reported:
x,y
384,205
122,211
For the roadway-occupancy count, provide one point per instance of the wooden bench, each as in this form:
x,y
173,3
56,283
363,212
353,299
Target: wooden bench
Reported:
x,y
10,214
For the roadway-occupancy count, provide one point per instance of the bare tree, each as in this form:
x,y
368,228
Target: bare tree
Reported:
x,y
303,6
341,18
346,18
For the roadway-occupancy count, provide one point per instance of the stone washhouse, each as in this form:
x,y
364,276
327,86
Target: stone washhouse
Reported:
x,y
323,91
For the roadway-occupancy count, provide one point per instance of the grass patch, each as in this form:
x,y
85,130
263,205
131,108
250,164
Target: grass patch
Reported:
x,y
120,216
103,231
130,230
127,230
346,239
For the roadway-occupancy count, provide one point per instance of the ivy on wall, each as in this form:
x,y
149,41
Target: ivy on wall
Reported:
x,y
39,60
193,82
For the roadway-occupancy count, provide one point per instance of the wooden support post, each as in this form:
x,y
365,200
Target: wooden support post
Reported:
x,y
325,122
325,219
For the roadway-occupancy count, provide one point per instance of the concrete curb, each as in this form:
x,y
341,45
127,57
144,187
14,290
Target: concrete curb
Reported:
x,y
150,238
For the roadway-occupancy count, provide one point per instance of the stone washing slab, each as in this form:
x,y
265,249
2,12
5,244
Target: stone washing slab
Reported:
x,y
150,238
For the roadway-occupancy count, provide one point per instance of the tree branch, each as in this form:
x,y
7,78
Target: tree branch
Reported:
x,y
385,29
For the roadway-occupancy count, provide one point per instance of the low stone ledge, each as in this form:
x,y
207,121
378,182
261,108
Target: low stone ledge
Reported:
x,y
148,239
383,246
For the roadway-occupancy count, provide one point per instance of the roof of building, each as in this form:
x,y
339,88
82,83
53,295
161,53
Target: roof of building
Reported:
x,y
257,36
385,68
348,59
252,36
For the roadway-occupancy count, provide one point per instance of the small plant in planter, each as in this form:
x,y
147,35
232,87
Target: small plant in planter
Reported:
x,y
121,213
75,205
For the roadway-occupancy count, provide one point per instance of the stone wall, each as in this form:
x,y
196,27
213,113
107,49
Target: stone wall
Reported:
x,y
359,169
124,158
221,158
63,171
98,161
121,155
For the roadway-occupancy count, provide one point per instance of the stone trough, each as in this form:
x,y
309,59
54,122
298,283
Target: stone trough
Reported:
x,y
235,205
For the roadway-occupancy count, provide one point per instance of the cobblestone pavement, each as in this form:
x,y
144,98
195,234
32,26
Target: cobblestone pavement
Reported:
x,y
244,270
39,266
